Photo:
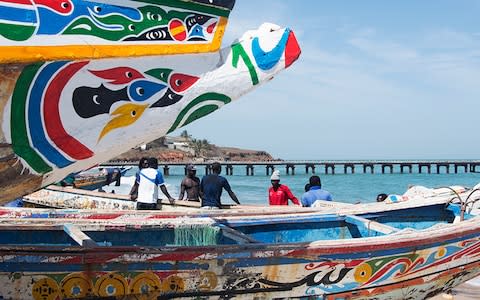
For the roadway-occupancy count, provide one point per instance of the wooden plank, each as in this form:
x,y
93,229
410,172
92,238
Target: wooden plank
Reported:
x,y
79,236
236,235
370,225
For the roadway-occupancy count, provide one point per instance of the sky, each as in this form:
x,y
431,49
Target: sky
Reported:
x,y
376,80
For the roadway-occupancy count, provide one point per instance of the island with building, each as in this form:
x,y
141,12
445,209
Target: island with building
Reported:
x,y
186,148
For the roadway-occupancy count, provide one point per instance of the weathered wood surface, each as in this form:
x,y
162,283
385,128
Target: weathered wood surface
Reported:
x,y
62,117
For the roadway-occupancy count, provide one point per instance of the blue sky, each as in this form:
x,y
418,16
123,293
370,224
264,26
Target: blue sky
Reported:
x,y
376,80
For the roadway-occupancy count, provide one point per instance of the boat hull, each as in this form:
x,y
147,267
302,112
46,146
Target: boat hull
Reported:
x,y
408,264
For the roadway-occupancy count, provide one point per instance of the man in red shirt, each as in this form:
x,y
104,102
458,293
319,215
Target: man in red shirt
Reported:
x,y
278,194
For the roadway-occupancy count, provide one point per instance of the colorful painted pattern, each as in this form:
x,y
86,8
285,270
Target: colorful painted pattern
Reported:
x,y
400,275
193,27
66,112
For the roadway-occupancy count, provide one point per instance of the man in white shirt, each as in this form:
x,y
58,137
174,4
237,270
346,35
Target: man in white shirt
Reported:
x,y
149,180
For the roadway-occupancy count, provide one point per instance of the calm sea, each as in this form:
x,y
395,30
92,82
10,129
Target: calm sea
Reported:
x,y
349,188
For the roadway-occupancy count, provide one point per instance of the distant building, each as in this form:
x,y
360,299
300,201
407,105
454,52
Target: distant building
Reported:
x,y
178,143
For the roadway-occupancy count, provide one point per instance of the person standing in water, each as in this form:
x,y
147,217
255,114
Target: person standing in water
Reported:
x,y
211,188
191,185
142,164
279,194
150,179
315,192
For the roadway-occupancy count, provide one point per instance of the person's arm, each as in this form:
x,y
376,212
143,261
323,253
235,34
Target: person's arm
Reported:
x,y
163,188
134,190
291,196
232,195
200,190
182,190
165,192
304,200
330,197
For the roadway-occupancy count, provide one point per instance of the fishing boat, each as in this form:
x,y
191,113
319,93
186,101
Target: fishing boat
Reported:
x,y
70,197
95,178
404,250
87,82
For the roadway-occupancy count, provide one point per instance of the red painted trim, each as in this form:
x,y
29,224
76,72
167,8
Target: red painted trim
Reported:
x,y
53,122
292,50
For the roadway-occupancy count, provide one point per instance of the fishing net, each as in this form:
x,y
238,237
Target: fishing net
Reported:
x,y
196,235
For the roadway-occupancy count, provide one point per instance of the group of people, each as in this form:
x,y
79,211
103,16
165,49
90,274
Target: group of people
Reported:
x,y
279,194
208,190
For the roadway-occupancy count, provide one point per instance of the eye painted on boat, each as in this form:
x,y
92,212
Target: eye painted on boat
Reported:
x,y
95,100
129,74
131,27
65,5
140,91
178,82
97,9
134,112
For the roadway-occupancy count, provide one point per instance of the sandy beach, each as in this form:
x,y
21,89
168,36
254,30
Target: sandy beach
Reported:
x,y
470,290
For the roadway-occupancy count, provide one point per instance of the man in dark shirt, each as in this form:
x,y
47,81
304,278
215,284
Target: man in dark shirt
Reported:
x,y
211,188
190,184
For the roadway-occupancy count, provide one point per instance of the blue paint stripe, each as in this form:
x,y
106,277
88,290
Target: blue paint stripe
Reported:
x,y
17,15
267,60
37,131
32,264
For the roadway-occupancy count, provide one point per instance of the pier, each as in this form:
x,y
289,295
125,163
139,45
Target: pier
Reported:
x,y
330,167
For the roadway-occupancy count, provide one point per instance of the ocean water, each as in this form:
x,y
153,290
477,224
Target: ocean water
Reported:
x,y
350,188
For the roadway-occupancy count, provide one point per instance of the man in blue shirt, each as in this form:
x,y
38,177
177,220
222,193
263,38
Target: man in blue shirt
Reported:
x,y
315,192
211,188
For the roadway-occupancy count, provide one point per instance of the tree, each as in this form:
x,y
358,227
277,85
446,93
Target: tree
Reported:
x,y
184,134
200,147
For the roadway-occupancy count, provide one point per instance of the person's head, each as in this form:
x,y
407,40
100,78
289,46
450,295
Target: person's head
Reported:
x,y
307,187
143,163
191,170
153,163
381,197
216,168
275,178
315,181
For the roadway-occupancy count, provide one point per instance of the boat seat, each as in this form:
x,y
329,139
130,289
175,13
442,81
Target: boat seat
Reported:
x,y
370,225
236,235
79,236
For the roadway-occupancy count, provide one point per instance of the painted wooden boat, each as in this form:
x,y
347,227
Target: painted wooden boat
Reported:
x,y
62,117
95,179
43,30
64,198
375,251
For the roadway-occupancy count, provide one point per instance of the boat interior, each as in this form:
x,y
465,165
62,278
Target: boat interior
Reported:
x,y
212,230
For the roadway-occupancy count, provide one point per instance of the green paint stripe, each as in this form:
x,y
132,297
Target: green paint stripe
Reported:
x,y
18,124
237,52
16,32
201,112
198,7
205,97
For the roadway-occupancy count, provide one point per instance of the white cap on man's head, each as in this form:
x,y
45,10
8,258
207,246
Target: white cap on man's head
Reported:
x,y
275,175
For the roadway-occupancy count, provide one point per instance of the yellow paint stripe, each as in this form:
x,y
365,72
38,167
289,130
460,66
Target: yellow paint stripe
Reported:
x,y
176,30
29,54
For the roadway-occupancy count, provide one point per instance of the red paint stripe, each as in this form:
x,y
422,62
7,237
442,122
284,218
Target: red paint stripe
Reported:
x,y
103,216
292,50
25,2
53,122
